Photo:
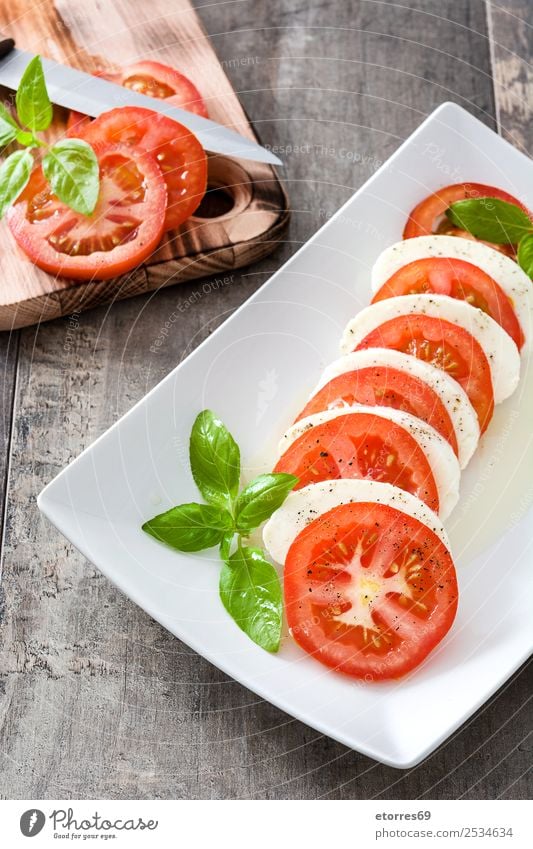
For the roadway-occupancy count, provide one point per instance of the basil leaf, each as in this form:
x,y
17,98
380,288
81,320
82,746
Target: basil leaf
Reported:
x,y
14,174
491,219
33,104
8,127
525,253
250,591
190,527
26,138
71,168
260,498
215,459
225,545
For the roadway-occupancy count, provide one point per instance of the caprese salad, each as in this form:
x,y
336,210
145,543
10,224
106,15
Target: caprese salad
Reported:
x,y
369,582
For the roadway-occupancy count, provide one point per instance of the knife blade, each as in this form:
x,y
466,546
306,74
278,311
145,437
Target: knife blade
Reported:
x,y
93,95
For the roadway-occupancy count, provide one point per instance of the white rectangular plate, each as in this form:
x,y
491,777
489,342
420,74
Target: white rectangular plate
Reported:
x,y
255,372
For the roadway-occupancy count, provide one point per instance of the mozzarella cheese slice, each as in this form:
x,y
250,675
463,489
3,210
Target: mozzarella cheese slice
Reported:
x,y
500,350
302,507
503,270
460,410
441,458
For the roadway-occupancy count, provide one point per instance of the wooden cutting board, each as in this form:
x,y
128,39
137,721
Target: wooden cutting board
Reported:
x,y
245,210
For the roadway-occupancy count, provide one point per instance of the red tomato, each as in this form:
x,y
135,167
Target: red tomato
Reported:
x,y
369,591
387,387
154,80
121,233
178,152
157,80
364,446
458,279
428,216
446,346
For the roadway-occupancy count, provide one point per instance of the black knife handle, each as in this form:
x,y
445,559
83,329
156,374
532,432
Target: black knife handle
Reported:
x,y
6,45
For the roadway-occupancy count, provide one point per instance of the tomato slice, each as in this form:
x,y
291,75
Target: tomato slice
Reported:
x,y
154,80
458,279
428,216
158,80
122,232
386,387
369,591
362,446
446,346
178,152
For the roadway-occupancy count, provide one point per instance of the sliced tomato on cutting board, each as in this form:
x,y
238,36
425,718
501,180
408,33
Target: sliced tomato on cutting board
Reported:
x,y
429,215
361,446
386,387
124,229
153,79
369,590
446,346
178,153
457,279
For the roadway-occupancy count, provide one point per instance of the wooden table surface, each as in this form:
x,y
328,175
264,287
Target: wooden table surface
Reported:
x,y
96,699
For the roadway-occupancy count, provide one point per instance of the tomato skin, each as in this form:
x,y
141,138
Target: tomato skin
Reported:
x,y
154,80
178,152
388,387
322,568
427,217
444,345
68,244
361,446
457,279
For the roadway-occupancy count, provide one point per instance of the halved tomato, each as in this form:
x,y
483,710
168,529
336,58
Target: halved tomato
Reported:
x,y
458,279
386,387
446,346
178,152
369,591
154,80
362,446
121,233
429,215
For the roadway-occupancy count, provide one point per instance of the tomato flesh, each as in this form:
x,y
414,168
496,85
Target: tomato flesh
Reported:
x,y
429,217
385,387
178,153
446,346
369,591
361,446
457,279
124,229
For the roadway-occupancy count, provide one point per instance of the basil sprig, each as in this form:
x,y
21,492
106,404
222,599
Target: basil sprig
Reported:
x,y
497,221
249,585
70,165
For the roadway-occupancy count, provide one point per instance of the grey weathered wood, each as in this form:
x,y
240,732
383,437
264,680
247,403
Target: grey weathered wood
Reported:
x,y
511,27
99,701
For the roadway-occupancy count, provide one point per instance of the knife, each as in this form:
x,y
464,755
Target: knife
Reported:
x,y
92,95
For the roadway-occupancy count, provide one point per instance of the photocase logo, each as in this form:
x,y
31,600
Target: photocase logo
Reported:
x,y
32,822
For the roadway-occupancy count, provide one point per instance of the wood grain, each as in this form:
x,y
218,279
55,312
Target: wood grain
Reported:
x,y
99,700
80,34
512,49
